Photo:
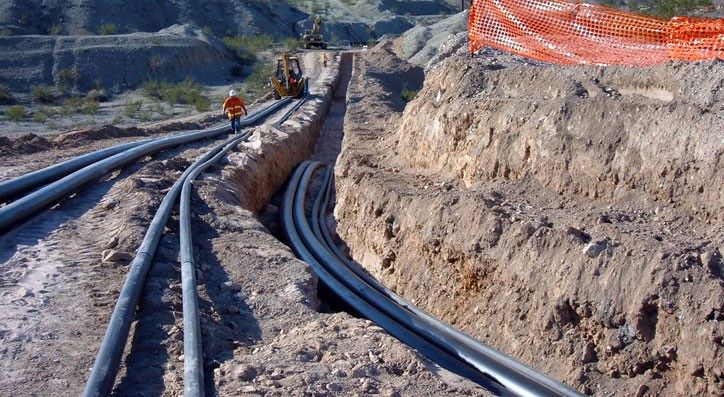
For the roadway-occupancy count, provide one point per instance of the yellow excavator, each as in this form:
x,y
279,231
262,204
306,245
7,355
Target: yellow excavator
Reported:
x,y
288,79
314,37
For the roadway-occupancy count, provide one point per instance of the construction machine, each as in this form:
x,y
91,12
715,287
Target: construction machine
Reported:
x,y
288,79
314,37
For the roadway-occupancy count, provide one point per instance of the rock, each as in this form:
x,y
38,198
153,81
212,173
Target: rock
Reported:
x,y
116,256
333,387
641,390
232,286
23,293
589,353
248,389
232,310
594,249
110,204
578,234
245,373
358,372
112,243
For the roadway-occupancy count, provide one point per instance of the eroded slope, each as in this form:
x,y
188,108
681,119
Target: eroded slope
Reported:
x,y
570,217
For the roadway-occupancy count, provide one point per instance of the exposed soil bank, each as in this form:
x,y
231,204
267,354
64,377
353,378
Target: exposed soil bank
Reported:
x,y
570,217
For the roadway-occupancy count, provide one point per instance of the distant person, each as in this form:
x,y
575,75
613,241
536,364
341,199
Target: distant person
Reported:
x,y
234,107
325,58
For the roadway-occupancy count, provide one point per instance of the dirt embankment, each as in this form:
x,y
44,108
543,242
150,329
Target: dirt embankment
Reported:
x,y
570,217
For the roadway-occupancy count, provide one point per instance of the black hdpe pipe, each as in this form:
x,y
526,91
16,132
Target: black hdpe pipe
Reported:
x,y
193,352
13,213
103,374
32,180
292,198
294,108
516,377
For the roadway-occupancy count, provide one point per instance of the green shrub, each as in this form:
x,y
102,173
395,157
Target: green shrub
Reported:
x,y
6,96
15,113
246,47
69,75
91,106
107,29
98,95
56,30
293,43
40,117
130,108
408,95
257,83
187,92
43,94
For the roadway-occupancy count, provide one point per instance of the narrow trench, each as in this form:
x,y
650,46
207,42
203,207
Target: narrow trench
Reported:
x,y
328,147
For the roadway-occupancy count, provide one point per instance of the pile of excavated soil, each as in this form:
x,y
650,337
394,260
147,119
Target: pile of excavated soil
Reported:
x,y
569,217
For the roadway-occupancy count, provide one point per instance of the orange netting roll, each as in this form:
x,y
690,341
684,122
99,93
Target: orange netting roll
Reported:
x,y
577,33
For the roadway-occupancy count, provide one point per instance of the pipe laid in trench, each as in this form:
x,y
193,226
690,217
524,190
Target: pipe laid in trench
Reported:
x,y
516,377
105,368
295,226
12,214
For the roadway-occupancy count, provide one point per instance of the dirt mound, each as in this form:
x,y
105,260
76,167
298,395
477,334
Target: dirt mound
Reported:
x,y
423,43
25,144
572,215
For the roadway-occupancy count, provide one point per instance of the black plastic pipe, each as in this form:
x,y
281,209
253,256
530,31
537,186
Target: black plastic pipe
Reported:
x,y
103,374
18,210
193,351
516,377
22,184
291,222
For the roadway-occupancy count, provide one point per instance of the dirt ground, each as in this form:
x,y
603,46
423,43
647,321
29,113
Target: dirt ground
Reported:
x,y
263,331
569,217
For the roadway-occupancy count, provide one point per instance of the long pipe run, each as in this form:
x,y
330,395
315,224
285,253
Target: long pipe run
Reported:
x,y
103,374
17,186
13,213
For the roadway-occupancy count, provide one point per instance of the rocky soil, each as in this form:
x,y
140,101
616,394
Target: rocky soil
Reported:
x,y
263,333
572,216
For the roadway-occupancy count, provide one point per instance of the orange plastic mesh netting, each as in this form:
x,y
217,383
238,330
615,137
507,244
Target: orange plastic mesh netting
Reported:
x,y
572,33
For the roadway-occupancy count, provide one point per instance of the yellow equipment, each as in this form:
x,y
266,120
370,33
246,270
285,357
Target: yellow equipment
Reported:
x,y
314,37
288,79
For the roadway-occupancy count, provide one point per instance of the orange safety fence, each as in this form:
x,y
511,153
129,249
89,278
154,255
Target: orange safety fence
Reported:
x,y
572,33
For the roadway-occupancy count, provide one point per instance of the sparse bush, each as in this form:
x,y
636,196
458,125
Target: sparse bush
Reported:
x,y
130,108
186,92
69,75
107,29
293,43
117,120
40,117
91,106
257,84
43,94
15,113
246,47
98,95
408,95
56,30
5,95
144,117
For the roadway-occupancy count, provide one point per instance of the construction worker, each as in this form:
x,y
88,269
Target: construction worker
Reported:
x,y
324,58
234,107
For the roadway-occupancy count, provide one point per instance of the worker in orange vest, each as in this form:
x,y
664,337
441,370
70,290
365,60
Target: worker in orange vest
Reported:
x,y
324,59
234,107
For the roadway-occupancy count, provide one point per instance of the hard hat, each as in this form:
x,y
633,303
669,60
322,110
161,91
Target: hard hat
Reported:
x,y
232,93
